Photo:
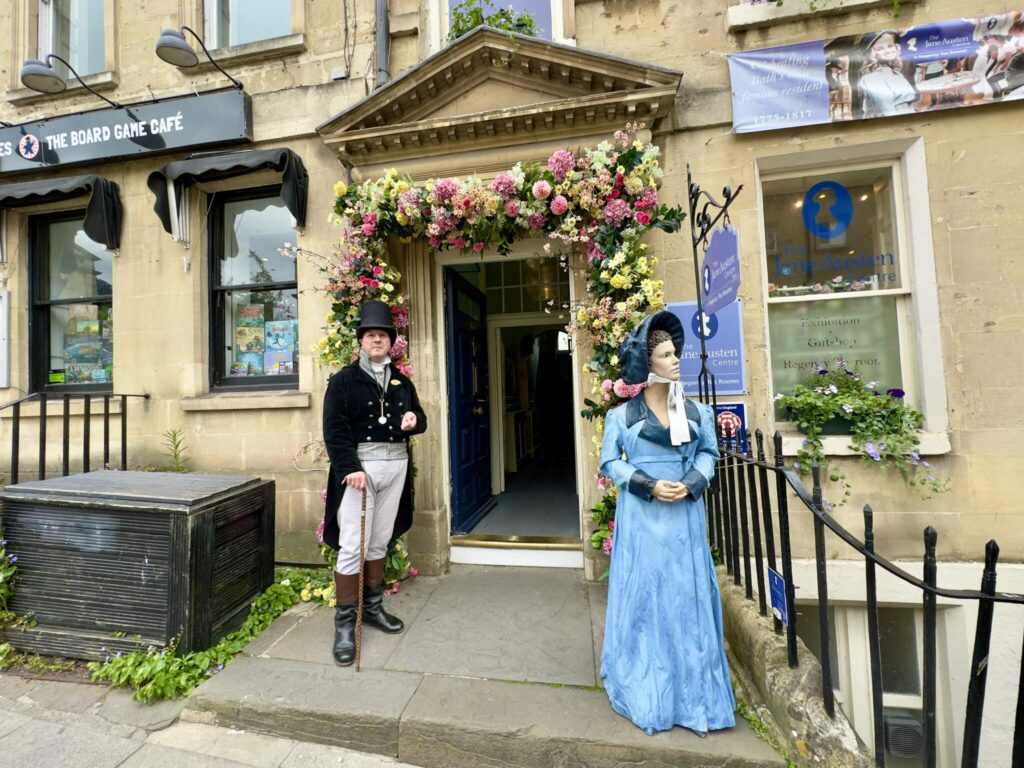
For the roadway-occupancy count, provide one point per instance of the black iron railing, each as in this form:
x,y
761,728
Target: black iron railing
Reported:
x,y
63,404
740,501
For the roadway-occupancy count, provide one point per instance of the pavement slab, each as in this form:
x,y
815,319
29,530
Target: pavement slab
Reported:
x,y
11,721
67,697
463,723
158,756
120,707
71,746
254,749
310,702
479,622
306,755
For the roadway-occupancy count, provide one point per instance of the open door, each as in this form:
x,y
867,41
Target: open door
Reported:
x,y
468,402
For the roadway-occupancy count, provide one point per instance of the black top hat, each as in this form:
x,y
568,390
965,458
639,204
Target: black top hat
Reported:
x,y
376,315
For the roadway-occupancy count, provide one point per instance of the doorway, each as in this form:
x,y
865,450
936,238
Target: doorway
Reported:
x,y
511,405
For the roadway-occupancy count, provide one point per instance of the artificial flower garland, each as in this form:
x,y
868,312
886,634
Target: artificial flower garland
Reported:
x,y
598,202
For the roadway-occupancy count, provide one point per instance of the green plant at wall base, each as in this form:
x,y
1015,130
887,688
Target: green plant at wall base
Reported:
x,y
758,726
470,14
161,673
174,447
883,429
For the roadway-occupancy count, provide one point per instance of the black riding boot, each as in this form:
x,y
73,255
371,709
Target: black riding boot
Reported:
x,y
346,589
374,613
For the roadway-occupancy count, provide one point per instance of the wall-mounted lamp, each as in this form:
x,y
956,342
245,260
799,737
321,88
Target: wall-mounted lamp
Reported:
x,y
39,76
174,49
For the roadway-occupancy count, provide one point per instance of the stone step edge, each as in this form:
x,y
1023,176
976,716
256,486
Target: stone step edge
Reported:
x,y
423,736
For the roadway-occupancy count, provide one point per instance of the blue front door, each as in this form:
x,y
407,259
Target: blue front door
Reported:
x,y
468,403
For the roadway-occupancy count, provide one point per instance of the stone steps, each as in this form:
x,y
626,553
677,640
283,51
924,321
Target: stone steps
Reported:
x,y
446,721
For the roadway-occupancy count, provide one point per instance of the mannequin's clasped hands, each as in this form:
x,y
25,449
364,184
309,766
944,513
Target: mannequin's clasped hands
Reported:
x,y
667,491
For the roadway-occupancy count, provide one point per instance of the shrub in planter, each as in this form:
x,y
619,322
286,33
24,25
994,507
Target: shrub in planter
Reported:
x,y
884,430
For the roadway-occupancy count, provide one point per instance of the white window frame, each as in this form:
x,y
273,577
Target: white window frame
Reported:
x,y
438,23
46,42
921,361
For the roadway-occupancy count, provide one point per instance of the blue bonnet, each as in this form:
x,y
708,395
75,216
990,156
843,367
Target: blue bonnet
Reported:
x,y
633,357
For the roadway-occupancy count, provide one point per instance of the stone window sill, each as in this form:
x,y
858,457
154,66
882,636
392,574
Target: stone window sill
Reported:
x,y
246,401
100,81
55,408
932,444
255,52
751,16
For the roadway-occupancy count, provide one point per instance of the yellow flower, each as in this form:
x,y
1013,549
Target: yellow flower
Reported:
x,y
581,316
305,596
332,602
402,186
340,189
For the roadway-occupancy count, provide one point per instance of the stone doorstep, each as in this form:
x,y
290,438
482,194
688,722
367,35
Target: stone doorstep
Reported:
x,y
439,721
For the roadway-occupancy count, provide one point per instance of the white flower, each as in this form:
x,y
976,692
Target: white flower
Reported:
x,y
872,384
286,582
779,396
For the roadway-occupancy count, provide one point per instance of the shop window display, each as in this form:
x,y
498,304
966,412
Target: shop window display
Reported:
x,y
255,296
837,279
73,328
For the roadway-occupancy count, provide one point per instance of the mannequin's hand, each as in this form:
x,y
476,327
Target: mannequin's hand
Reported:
x,y
356,480
408,421
667,491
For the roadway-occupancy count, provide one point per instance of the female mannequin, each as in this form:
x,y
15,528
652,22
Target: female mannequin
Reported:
x,y
663,661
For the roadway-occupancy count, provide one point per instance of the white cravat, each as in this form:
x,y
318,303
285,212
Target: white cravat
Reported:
x,y
678,426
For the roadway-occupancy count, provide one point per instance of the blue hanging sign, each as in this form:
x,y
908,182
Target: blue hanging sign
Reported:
x,y
720,274
777,590
723,339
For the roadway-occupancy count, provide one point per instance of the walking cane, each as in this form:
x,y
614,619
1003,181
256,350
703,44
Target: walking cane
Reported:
x,y
359,598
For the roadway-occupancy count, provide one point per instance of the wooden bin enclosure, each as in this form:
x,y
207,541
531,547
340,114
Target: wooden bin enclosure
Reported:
x,y
152,555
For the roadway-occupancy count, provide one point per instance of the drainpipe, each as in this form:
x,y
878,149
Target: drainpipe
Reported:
x,y
383,44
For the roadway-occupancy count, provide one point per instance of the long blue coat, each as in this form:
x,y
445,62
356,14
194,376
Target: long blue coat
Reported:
x,y
663,660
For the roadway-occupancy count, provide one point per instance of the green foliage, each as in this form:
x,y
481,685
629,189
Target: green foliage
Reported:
x,y
470,14
162,673
7,575
603,515
174,447
758,726
11,659
883,429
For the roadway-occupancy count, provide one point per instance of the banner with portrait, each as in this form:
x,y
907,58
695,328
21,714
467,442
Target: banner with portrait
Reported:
x,y
944,65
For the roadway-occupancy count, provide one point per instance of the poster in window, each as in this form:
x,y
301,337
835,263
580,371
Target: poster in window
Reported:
x,y
249,339
278,363
280,335
89,327
253,362
249,316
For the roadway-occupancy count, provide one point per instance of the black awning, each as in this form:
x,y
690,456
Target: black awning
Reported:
x,y
102,212
224,165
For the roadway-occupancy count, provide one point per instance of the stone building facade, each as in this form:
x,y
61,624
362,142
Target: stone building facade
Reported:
x,y
351,96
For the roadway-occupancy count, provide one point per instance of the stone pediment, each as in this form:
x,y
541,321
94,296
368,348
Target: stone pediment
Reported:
x,y
493,89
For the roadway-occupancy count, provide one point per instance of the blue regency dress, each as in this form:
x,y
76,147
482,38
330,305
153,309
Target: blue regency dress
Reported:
x,y
663,660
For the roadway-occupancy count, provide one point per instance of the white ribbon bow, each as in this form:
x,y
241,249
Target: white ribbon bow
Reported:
x,y
678,426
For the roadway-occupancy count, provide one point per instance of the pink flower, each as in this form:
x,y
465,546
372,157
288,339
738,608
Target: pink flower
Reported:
x,y
643,217
445,189
606,546
602,483
400,347
511,209
377,270
538,220
559,205
477,247
413,572
560,163
320,528
616,211
323,497
374,284
435,243
611,526
541,190
624,390
504,184
607,384
393,589
457,242
614,194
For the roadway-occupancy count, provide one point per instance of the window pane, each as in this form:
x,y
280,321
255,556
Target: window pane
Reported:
x,y
261,333
78,35
76,266
246,21
81,344
831,233
255,231
897,634
540,10
806,335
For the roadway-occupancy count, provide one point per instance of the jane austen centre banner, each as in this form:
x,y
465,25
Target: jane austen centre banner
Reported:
x,y
949,64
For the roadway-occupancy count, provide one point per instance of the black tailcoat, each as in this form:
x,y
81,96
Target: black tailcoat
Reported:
x,y
351,411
